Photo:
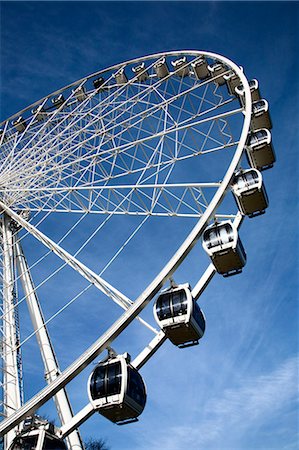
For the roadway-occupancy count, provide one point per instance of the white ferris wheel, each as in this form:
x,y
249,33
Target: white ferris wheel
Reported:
x,y
173,137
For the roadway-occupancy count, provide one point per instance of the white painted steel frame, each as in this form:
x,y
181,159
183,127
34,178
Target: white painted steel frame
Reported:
x,y
154,286
11,394
51,365
129,144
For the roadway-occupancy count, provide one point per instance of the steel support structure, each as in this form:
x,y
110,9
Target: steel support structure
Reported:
x,y
144,298
11,391
51,366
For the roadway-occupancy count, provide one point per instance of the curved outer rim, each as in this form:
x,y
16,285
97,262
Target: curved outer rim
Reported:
x,y
128,316
177,53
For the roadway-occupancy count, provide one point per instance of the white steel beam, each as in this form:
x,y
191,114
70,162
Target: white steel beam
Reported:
x,y
51,365
11,388
76,421
117,296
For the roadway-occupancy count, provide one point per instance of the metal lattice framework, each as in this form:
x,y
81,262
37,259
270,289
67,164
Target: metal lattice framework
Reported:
x,y
110,146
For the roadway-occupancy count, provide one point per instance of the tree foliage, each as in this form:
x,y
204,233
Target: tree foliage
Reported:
x,y
96,444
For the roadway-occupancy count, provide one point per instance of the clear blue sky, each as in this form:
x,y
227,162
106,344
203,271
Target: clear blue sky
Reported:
x,y
238,388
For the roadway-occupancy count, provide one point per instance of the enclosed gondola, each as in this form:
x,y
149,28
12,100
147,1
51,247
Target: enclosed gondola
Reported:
x,y
232,81
224,247
254,90
140,72
58,101
40,113
181,67
80,93
260,117
98,83
200,69
259,150
120,76
37,433
249,192
216,70
19,124
161,68
117,390
179,316
37,439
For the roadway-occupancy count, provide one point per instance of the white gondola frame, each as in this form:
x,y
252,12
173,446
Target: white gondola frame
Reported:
x,y
260,117
106,403
250,193
217,69
254,91
221,253
260,153
184,324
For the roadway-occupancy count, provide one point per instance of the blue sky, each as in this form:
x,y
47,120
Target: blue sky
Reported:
x,y
238,388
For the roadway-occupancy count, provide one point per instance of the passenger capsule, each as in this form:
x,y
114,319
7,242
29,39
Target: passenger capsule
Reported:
x,y
224,247
232,81
140,72
254,90
200,69
217,69
259,150
58,101
161,68
80,93
117,390
98,82
179,316
37,433
40,113
120,76
19,124
181,67
260,117
29,441
249,192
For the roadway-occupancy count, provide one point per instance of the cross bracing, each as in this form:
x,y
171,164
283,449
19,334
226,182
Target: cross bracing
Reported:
x,y
120,150
132,133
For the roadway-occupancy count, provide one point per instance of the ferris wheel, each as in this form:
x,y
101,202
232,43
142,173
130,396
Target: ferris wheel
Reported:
x,y
176,137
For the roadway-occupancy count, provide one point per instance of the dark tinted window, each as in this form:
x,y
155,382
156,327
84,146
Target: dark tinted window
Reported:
x,y
163,306
97,382
113,378
25,443
179,303
246,179
106,380
171,304
211,238
53,444
251,177
221,234
136,388
258,106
